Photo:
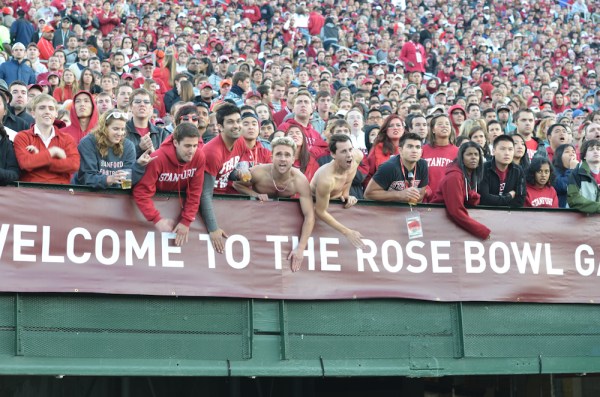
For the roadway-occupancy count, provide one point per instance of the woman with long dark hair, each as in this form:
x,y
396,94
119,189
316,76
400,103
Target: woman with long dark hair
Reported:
x,y
304,160
540,178
86,82
386,142
459,188
564,162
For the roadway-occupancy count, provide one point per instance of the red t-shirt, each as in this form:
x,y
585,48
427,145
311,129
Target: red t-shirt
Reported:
x,y
502,175
597,178
220,161
438,158
143,131
532,146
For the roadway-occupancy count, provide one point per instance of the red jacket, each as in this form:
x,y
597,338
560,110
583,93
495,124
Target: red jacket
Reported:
x,y
41,167
75,128
316,21
258,155
107,23
46,48
315,143
413,53
252,13
454,194
63,94
166,174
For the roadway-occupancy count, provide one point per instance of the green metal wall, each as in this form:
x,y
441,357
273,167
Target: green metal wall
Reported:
x,y
62,334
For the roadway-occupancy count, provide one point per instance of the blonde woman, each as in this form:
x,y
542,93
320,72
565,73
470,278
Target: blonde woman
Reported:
x,y
67,88
105,154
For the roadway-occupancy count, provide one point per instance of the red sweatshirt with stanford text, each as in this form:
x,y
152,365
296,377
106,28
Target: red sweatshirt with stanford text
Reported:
x,y
167,174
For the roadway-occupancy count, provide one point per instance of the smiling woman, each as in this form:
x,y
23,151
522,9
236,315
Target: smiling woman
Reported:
x,y
106,154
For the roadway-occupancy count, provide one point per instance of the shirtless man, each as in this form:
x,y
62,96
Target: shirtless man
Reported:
x,y
333,181
281,180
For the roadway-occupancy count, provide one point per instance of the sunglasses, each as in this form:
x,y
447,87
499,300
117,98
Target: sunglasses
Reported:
x,y
117,116
188,118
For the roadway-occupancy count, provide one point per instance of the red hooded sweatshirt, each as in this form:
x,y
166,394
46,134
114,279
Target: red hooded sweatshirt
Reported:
x,y
316,144
75,128
454,194
455,126
166,174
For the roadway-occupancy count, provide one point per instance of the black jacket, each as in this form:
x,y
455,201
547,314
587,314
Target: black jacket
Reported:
x,y
157,134
490,186
15,123
170,98
9,168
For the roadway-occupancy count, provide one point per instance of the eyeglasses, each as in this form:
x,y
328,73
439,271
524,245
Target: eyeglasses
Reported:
x,y
139,102
188,118
117,116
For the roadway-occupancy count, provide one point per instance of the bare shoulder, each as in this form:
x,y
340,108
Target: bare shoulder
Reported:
x,y
358,155
260,170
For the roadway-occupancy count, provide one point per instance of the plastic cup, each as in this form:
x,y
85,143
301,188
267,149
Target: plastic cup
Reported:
x,y
126,182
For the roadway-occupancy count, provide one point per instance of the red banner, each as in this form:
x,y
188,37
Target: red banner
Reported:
x,y
61,241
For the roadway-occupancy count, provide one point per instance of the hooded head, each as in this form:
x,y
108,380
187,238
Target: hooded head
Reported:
x,y
81,109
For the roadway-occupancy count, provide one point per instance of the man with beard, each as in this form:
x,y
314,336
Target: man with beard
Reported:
x,y
575,100
206,94
333,180
280,179
222,156
18,104
83,57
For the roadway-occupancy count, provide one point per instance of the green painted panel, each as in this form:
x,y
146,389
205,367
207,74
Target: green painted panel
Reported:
x,y
377,329
116,335
147,346
135,313
7,309
134,327
515,330
517,345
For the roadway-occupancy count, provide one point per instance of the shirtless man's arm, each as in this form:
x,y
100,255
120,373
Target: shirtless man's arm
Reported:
x,y
348,200
247,188
306,205
322,194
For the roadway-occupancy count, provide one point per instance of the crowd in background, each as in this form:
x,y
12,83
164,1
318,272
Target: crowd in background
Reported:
x,y
514,82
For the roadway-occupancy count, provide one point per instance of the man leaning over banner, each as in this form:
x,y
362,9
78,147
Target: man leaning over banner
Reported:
x,y
177,166
280,179
333,181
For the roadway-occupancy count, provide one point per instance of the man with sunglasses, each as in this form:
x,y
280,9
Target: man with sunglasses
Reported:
x,y
145,135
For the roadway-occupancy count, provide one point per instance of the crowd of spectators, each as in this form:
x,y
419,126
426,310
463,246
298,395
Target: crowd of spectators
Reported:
x,y
456,102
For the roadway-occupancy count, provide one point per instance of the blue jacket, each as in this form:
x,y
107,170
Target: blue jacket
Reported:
x,y
12,70
21,31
